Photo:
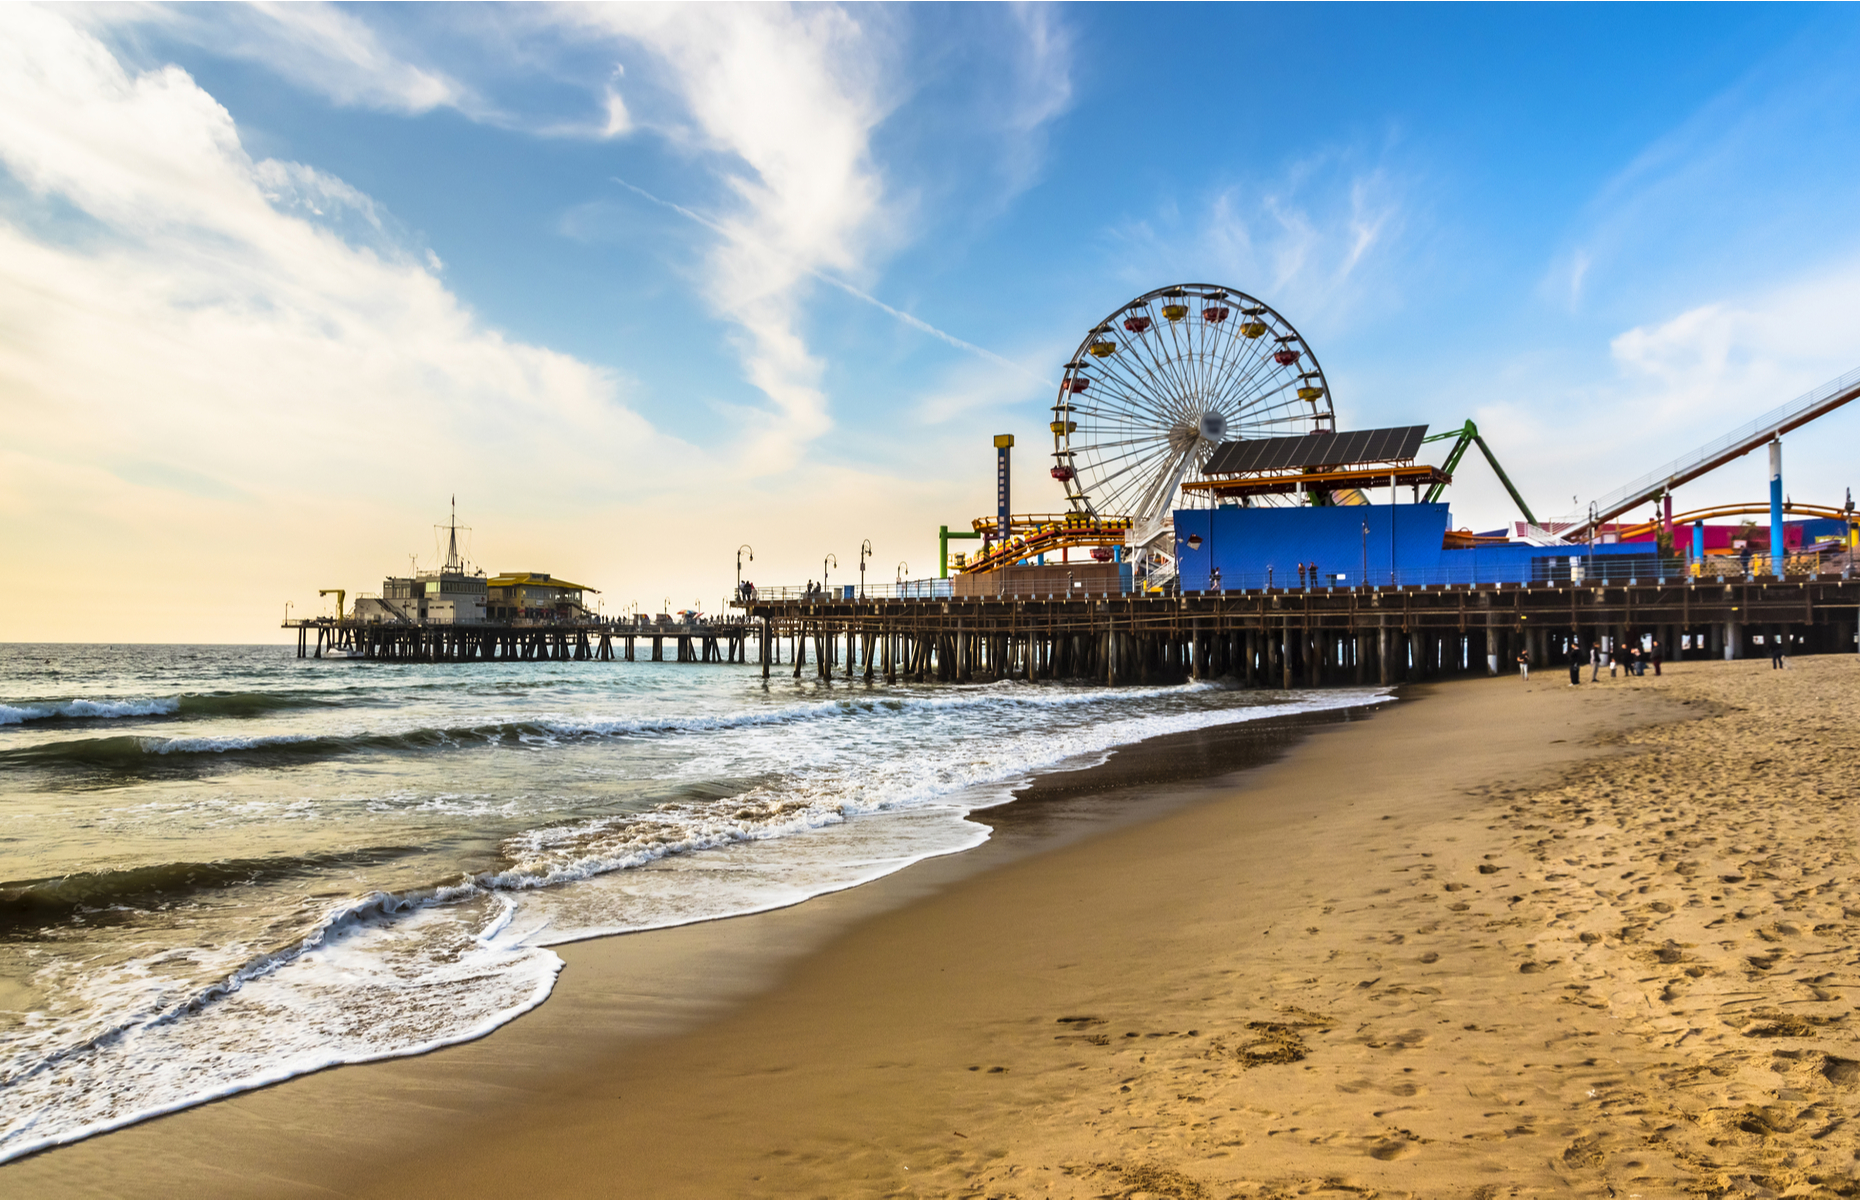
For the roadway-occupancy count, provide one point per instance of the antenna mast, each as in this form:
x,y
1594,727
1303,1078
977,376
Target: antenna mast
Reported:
x,y
452,547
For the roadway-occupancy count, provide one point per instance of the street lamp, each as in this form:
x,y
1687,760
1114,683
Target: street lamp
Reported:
x,y
739,566
823,571
865,552
1589,572
904,569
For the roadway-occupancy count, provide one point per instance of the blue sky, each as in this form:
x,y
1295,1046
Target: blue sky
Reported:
x,y
641,284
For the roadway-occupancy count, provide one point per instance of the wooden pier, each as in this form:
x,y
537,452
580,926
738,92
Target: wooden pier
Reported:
x,y
1295,637
1287,637
491,641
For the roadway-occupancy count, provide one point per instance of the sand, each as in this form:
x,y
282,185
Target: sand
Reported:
x,y
1504,939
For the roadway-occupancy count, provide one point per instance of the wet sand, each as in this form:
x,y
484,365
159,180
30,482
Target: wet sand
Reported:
x,y
1508,939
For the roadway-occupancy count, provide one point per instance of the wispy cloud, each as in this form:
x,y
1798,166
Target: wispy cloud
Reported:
x,y
1758,175
1319,239
317,46
900,315
784,102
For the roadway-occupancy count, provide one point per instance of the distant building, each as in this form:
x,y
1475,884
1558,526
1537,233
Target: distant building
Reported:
x,y
456,595
534,596
439,597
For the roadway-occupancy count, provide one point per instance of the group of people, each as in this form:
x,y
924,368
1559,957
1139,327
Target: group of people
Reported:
x,y
1621,656
1627,657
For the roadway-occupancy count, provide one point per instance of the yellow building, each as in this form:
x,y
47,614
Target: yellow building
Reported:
x,y
534,596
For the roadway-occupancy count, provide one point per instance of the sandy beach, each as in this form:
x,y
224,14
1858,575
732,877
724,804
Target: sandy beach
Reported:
x,y
1501,938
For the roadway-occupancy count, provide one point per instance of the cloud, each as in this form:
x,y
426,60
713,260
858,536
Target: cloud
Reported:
x,y
1669,386
194,345
1730,361
1320,240
572,226
784,102
316,46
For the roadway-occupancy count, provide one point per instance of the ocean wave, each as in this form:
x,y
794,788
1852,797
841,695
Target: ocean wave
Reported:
x,y
336,990
339,922
104,710
192,704
1006,695
30,902
133,752
575,851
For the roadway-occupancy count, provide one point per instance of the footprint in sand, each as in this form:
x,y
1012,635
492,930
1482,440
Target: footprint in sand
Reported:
x,y
1841,1072
1391,1148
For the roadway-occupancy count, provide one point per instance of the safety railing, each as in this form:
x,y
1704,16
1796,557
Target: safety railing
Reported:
x,y
1544,570
909,589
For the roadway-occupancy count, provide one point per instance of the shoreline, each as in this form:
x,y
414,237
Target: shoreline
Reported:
x,y
658,984
1506,939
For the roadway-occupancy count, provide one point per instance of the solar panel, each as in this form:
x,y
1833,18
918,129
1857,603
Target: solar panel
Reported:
x,y
1314,450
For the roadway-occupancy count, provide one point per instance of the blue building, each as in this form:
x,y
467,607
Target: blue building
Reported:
x,y
1234,547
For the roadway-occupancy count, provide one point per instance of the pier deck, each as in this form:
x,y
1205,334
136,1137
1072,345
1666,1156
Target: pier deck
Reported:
x,y
493,641
1287,637
1294,636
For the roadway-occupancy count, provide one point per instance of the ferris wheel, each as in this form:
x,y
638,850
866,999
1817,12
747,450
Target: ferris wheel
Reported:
x,y
1162,381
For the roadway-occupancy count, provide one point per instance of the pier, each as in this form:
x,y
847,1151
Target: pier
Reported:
x,y
1293,637
1287,637
1269,637
492,641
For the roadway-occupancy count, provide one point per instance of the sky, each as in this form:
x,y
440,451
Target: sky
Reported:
x,y
642,285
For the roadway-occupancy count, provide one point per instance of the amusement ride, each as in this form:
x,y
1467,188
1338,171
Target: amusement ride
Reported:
x,y
1197,395
1150,393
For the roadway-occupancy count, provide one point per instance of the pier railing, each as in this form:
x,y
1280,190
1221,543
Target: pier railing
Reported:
x,y
909,589
1574,568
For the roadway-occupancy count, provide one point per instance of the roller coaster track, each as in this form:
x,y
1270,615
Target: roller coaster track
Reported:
x,y
1739,442
1719,511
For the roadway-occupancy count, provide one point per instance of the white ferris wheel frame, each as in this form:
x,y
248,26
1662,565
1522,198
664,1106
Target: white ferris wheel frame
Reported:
x,y
1136,422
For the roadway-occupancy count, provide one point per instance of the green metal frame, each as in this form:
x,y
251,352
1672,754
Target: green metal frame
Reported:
x,y
943,538
1468,435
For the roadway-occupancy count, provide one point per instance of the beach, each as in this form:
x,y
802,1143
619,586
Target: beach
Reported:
x,y
1499,938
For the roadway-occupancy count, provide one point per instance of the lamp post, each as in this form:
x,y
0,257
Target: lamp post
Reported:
x,y
865,552
823,571
1589,571
739,566
1363,580
904,569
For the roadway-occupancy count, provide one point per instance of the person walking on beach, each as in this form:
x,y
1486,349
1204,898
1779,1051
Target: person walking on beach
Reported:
x,y
1656,656
1575,662
1615,656
1636,665
1524,663
1595,660
1776,653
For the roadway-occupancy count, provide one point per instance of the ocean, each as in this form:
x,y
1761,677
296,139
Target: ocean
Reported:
x,y
224,866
